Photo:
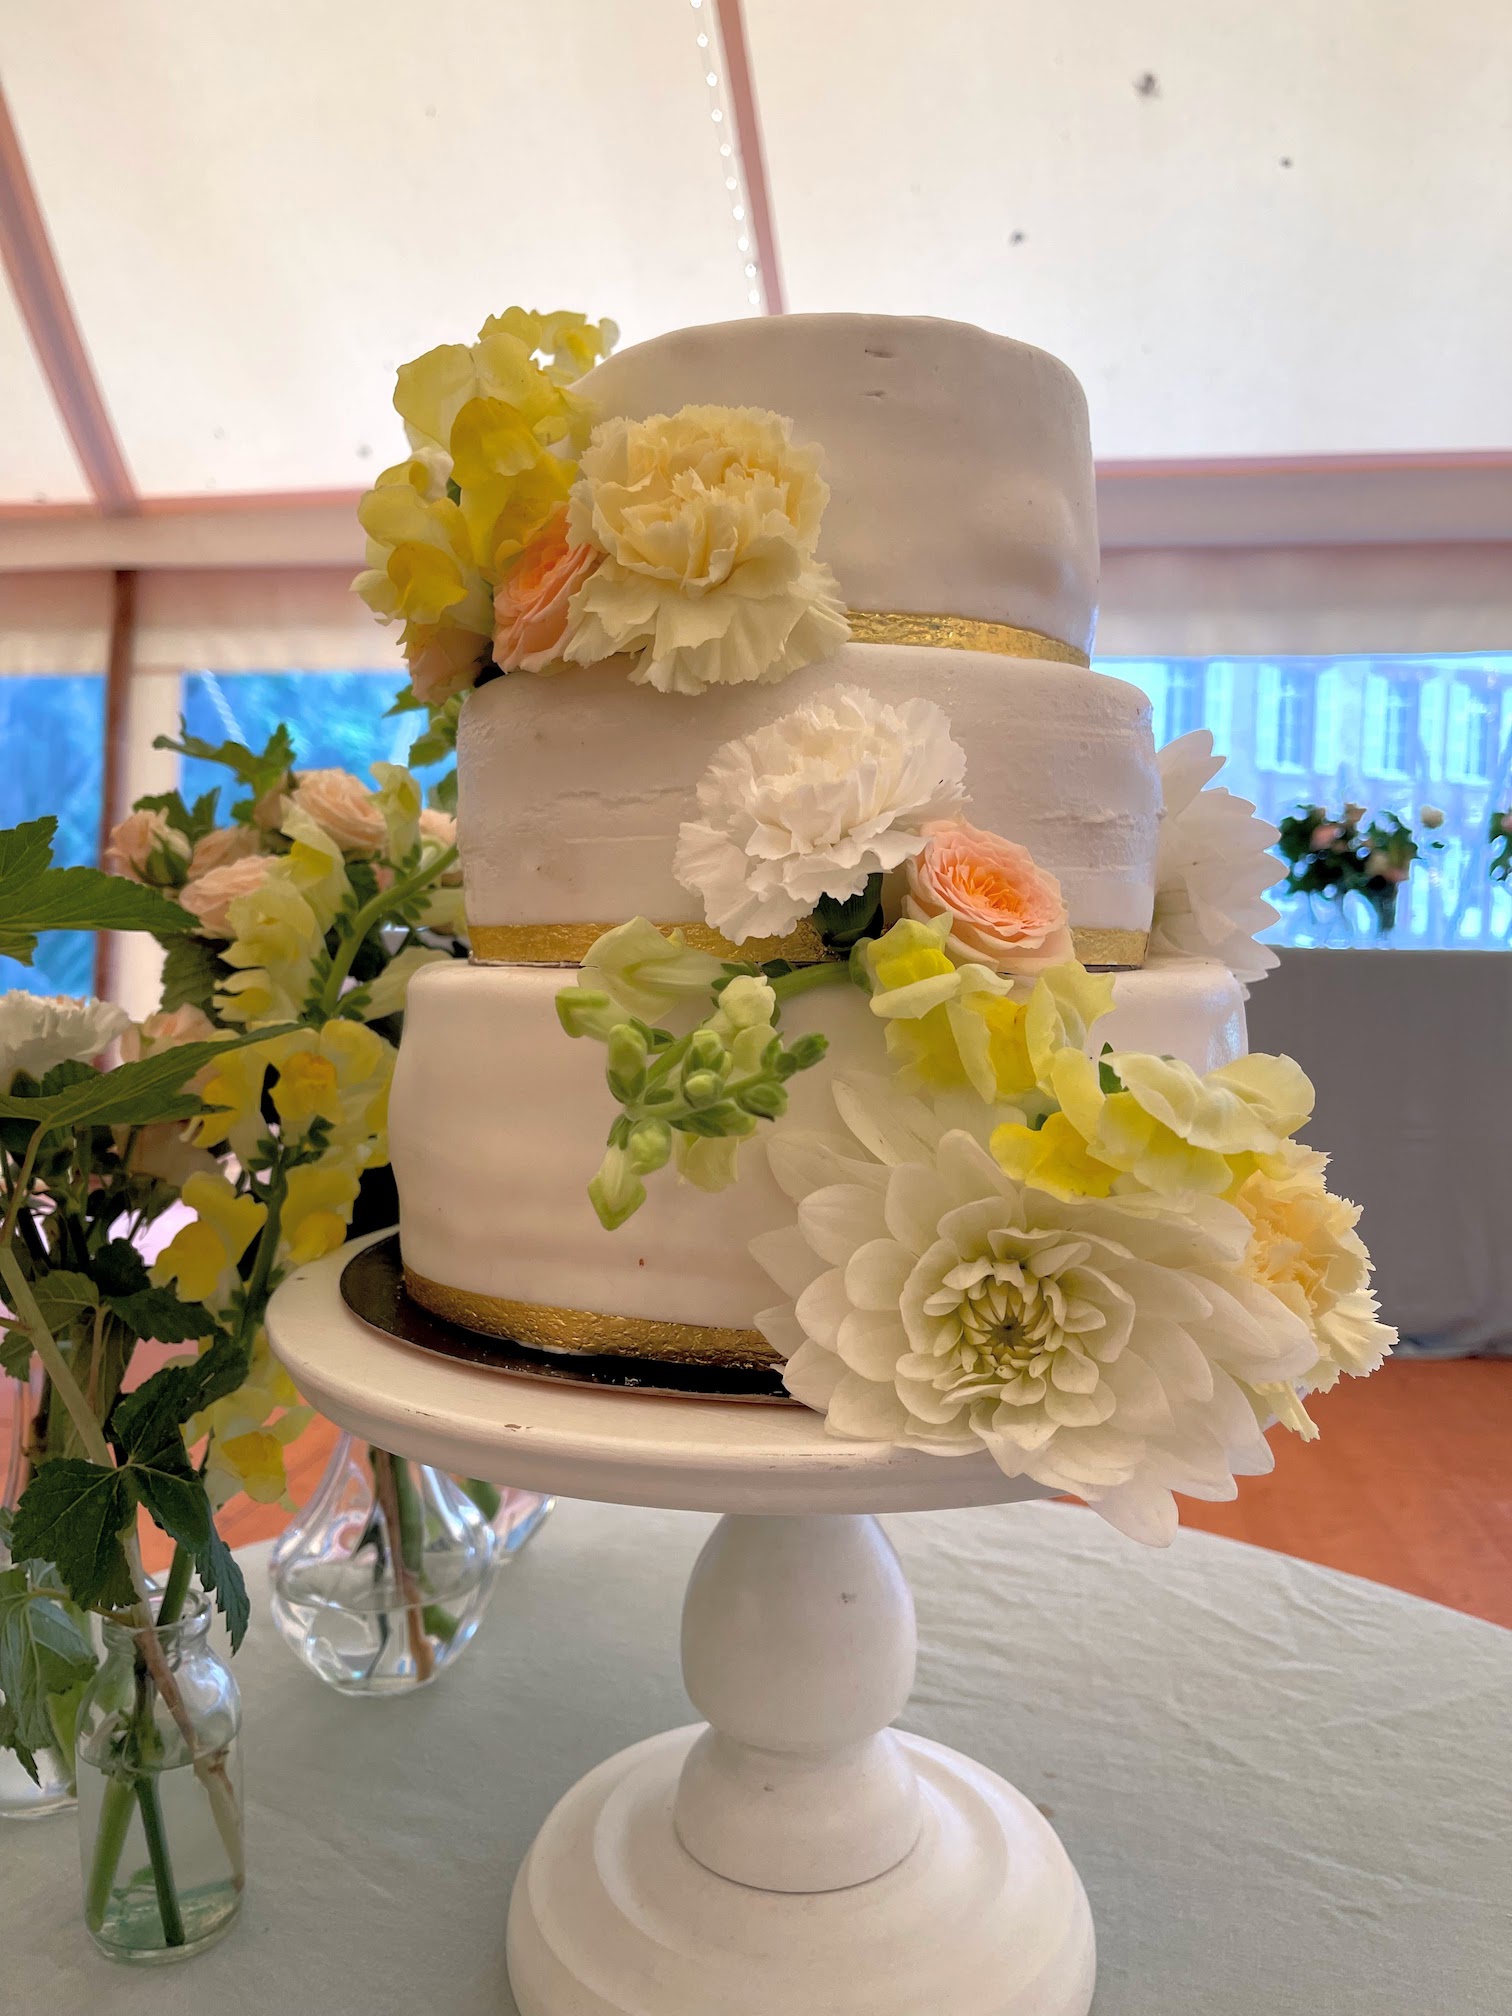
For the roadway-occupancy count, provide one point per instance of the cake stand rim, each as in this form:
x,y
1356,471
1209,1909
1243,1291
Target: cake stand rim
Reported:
x,y
621,1448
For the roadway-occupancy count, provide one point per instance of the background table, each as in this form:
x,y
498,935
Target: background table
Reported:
x,y
1287,1791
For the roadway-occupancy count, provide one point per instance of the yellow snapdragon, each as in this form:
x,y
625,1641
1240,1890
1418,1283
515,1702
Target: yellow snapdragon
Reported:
x,y
201,1258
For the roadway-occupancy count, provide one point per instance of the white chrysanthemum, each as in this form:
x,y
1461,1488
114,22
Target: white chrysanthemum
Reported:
x,y
38,1031
707,521
1099,1347
814,803
1212,869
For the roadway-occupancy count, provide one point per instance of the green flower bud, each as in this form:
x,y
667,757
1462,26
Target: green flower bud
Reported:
x,y
625,1064
616,1192
768,1101
650,1146
706,1052
807,1051
701,1088
584,1011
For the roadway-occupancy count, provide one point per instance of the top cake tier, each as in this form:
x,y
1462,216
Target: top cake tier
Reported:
x,y
959,464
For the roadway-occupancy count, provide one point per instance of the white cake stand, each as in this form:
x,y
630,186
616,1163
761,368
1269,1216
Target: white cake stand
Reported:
x,y
793,1856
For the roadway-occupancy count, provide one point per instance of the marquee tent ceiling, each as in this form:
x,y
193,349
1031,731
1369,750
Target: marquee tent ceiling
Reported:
x,y
1271,230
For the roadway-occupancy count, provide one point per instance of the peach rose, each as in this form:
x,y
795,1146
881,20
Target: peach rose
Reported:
x,y
440,829
226,843
144,847
166,1029
1008,913
530,607
444,659
209,896
346,809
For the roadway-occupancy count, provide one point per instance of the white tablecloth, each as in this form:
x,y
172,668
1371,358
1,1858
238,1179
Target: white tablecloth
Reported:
x,y
1287,1791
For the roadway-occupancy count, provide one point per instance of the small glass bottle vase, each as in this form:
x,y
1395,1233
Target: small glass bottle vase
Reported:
x,y
160,1796
383,1578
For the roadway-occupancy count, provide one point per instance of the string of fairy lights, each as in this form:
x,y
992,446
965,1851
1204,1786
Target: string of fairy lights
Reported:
x,y
732,172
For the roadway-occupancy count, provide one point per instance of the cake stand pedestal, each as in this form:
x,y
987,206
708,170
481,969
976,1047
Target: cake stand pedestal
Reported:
x,y
793,1853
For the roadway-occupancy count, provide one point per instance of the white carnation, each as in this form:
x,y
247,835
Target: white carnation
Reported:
x,y
814,803
38,1031
1102,1347
1212,869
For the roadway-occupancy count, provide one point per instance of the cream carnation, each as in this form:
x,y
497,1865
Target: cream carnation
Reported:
x,y
1212,868
811,805
209,896
347,810
38,1031
226,843
1097,1346
145,848
1005,911
708,522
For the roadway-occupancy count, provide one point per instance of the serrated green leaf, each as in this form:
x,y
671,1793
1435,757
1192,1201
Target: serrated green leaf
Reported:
x,y
10,1739
73,1514
119,1269
258,769
193,821
15,1350
43,1651
221,1577
36,897
147,1419
133,1094
444,792
192,970
175,1497
158,1314
61,1296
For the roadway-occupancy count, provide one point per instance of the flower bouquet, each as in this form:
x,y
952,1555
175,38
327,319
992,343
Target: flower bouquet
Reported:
x,y
1331,857
1499,837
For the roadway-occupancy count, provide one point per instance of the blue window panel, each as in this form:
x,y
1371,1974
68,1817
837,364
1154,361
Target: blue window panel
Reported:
x,y
52,730
1394,733
336,719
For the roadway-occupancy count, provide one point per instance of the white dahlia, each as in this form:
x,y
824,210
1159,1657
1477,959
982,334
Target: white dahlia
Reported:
x,y
814,803
38,1031
1102,1347
1212,869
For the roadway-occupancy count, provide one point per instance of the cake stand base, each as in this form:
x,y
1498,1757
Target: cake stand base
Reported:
x,y
611,1915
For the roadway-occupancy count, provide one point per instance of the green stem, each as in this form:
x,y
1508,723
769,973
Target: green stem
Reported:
x,y
374,913
411,1517
22,1185
110,1841
255,1294
803,979
157,1855
177,1587
56,1365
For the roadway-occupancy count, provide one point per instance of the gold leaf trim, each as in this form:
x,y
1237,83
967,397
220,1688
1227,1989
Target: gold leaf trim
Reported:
x,y
565,944
959,633
584,1333
1120,951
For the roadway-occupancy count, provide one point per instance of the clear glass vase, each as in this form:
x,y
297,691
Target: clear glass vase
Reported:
x,y
382,1580
160,1797
52,1791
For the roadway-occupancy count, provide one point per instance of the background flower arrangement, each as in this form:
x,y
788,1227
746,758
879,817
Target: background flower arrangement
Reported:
x,y
1331,856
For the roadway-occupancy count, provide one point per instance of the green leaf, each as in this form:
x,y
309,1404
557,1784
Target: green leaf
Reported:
x,y
174,1495
145,1420
60,1297
43,1651
158,1314
73,1514
444,792
843,924
118,1269
10,1739
15,1349
259,770
35,896
133,1094
192,971
193,821
221,1577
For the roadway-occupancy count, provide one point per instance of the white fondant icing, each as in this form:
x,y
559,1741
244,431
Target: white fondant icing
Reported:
x,y
498,1120
571,789
959,463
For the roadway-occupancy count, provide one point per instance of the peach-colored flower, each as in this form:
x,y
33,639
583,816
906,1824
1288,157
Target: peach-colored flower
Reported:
x,y
144,847
209,896
1008,913
166,1029
226,843
1324,836
444,659
345,808
440,829
268,812
530,607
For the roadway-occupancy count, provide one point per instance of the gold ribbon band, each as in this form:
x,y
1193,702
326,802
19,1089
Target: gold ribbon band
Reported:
x,y
565,944
959,633
583,1333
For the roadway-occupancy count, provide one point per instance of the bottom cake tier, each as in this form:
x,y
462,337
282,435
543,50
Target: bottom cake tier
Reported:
x,y
498,1120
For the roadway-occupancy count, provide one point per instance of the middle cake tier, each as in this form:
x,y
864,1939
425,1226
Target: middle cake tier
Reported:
x,y
498,1120
571,789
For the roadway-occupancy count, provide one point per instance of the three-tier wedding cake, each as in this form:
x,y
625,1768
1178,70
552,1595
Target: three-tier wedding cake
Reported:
x,y
919,974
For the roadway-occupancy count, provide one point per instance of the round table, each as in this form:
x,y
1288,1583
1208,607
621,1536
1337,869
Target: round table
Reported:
x,y
1286,1790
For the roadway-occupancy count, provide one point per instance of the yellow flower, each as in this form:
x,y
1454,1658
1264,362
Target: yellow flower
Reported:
x,y
573,343
401,804
253,1461
316,867
201,1258
1304,1248
1053,1157
276,937
317,1209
